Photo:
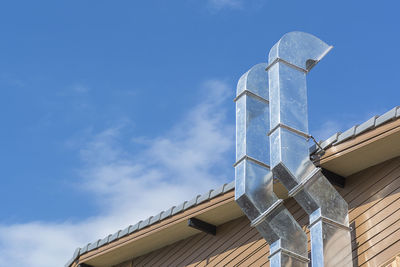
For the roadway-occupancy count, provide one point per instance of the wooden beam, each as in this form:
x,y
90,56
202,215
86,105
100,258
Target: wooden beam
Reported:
x,y
202,226
334,178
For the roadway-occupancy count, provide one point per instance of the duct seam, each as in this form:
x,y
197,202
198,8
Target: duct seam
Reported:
x,y
250,93
289,253
310,178
253,160
329,221
278,59
265,214
284,126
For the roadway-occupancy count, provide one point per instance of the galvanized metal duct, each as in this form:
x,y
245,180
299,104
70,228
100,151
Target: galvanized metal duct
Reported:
x,y
291,58
253,178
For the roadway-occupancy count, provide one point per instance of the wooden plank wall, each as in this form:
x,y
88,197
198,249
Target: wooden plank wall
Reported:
x,y
374,211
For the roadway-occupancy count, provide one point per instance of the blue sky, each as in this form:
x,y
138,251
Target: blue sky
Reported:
x,y
114,110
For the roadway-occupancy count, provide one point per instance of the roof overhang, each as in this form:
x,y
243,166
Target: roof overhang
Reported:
x,y
217,211
365,150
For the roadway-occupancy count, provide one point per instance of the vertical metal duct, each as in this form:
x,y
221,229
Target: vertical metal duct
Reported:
x,y
290,60
253,178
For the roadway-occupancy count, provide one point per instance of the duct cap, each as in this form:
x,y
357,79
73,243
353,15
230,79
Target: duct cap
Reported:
x,y
303,50
254,81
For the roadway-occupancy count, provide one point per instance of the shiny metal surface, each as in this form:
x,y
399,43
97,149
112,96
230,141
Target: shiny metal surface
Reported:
x,y
253,178
291,58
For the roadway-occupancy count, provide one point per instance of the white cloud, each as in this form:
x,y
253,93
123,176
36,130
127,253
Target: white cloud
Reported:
x,y
220,4
344,122
187,160
327,129
80,88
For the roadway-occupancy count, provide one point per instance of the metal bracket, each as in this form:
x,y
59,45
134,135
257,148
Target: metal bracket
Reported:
x,y
202,226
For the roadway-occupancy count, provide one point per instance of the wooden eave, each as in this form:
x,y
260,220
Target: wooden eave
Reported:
x,y
365,150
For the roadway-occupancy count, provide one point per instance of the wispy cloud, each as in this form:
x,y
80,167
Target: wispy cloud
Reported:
x,y
342,123
188,159
221,4
80,88
327,129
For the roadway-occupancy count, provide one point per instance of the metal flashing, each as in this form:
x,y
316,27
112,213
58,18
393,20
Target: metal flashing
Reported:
x,y
145,223
124,232
369,124
69,263
114,236
156,218
84,249
104,240
350,133
93,245
217,191
229,186
328,142
178,208
204,197
167,213
134,227
191,203
390,115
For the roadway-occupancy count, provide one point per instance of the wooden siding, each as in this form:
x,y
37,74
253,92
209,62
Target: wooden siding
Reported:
x,y
373,196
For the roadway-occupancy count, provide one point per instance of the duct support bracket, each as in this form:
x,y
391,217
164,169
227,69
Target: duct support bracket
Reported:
x,y
334,178
203,226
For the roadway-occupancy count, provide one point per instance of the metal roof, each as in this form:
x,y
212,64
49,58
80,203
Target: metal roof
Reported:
x,y
335,139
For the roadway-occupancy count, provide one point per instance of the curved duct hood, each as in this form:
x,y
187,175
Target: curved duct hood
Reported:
x,y
253,178
291,58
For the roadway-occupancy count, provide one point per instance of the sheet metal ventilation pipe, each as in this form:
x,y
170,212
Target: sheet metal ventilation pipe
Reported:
x,y
290,59
253,178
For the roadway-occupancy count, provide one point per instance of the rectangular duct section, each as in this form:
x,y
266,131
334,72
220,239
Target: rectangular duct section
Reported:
x,y
253,178
290,60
